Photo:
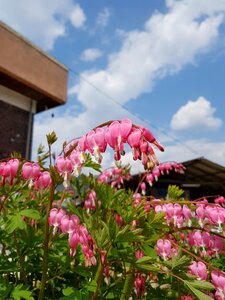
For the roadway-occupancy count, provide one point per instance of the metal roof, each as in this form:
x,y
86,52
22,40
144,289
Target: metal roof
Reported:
x,y
204,172
202,177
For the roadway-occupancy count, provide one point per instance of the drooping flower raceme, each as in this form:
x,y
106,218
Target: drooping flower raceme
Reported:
x,y
8,170
77,233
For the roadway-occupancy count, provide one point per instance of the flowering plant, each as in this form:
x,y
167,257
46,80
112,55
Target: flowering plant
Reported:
x,y
67,235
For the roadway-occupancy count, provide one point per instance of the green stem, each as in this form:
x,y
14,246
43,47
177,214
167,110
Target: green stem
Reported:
x,y
128,285
98,279
46,244
20,258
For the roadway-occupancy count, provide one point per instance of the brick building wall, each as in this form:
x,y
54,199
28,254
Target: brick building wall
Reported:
x,y
14,130
31,81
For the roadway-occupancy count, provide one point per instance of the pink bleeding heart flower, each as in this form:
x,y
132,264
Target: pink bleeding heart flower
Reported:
x,y
55,218
65,168
218,280
164,248
31,172
69,224
150,179
96,143
143,188
198,269
133,140
150,138
116,135
156,173
139,284
44,181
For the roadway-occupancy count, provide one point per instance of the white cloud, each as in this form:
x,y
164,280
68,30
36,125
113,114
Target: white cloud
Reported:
x,y
41,21
77,16
167,43
202,147
73,90
90,54
195,114
143,59
103,17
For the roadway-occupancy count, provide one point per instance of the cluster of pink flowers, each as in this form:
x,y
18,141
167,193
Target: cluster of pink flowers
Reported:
x,y
140,278
220,200
90,201
163,168
165,250
175,213
77,232
8,171
210,244
115,176
115,135
138,199
218,280
31,172
205,214
213,215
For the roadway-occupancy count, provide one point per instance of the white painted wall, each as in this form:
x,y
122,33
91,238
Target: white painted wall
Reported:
x,y
17,99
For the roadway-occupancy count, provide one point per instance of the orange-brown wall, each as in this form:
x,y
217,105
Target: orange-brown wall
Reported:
x,y
30,66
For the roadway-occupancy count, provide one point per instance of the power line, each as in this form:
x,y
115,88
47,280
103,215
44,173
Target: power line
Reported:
x,y
133,114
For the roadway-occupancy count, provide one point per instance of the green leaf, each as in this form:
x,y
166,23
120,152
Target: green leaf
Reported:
x,y
81,270
15,222
202,285
150,251
89,163
103,238
20,292
111,224
174,192
91,286
30,213
144,259
148,267
110,296
56,178
7,266
178,261
5,290
200,295
158,218
118,193
124,230
129,236
70,291
51,138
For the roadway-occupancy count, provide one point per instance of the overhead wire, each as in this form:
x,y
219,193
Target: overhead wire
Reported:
x,y
134,114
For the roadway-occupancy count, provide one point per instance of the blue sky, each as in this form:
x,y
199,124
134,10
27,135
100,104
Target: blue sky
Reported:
x,y
160,63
